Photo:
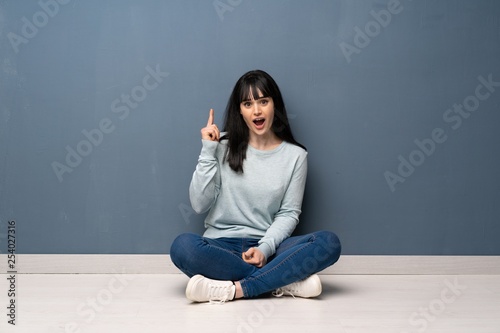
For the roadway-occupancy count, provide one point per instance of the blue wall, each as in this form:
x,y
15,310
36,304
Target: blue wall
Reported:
x,y
101,103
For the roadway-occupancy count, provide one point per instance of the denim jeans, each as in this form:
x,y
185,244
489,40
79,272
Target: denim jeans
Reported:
x,y
295,259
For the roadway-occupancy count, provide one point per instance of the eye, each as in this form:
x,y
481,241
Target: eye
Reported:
x,y
264,101
247,104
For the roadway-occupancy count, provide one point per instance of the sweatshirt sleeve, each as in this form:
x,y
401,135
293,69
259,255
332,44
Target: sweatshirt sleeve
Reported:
x,y
205,183
287,218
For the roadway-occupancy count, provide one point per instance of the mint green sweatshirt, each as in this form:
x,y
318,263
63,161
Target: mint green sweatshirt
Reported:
x,y
262,203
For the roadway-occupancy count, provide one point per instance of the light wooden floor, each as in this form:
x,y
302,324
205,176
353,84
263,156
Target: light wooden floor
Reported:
x,y
53,303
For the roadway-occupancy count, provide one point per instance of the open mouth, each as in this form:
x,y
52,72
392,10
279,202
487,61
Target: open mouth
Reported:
x,y
259,122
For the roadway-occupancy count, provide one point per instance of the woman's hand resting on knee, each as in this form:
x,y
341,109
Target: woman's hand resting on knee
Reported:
x,y
255,257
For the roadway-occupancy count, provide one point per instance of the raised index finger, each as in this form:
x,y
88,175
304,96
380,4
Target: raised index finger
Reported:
x,y
211,118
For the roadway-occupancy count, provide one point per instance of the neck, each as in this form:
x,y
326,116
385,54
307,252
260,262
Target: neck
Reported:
x,y
265,142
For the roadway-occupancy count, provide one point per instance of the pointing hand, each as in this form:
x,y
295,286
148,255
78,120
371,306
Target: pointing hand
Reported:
x,y
210,132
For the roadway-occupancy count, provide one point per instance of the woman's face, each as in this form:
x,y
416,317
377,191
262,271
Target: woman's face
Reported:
x,y
258,114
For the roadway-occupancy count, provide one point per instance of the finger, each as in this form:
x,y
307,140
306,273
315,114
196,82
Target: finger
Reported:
x,y
217,133
210,117
213,132
248,255
206,134
252,261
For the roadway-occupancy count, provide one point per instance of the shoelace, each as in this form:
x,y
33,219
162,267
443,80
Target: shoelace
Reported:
x,y
218,294
280,292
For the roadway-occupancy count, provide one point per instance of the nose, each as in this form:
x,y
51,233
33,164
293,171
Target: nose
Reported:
x,y
256,109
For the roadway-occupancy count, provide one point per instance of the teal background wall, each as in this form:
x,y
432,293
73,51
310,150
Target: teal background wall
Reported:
x,y
398,102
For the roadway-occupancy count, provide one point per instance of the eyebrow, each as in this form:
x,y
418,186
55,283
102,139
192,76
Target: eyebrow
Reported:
x,y
256,99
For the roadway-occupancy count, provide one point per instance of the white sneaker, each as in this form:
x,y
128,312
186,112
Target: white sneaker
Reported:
x,y
309,287
202,289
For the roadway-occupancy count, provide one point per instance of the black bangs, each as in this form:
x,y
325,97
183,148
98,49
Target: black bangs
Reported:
x,y
251,88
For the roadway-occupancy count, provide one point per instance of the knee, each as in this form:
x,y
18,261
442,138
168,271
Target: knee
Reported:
x,y
330,243
181,246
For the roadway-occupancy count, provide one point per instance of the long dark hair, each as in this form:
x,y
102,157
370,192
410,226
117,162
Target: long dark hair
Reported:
x,y
250,84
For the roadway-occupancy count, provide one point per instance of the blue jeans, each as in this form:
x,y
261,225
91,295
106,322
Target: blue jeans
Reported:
x,y
295,259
